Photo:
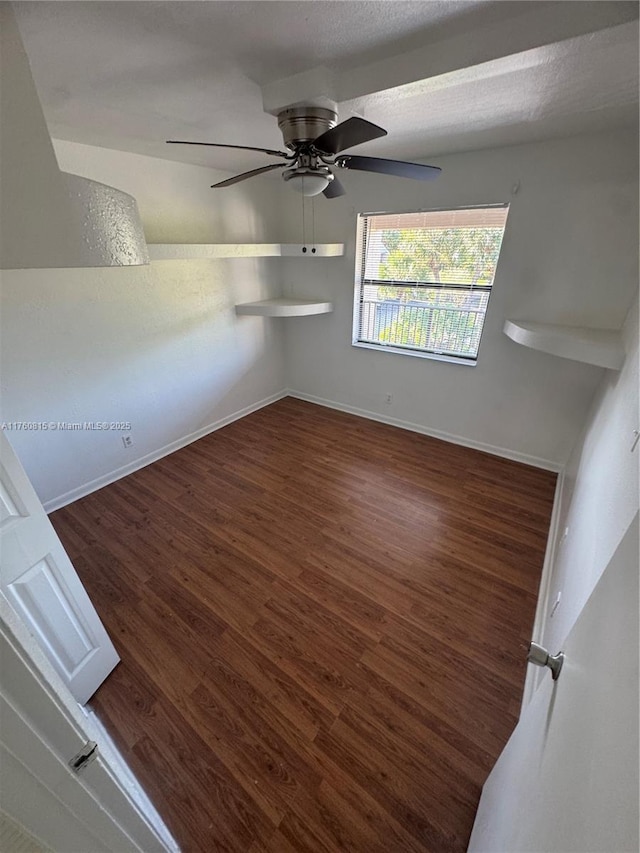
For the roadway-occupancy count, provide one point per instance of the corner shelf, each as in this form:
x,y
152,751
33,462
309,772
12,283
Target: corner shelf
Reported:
x,y
601,347
193,251
285,306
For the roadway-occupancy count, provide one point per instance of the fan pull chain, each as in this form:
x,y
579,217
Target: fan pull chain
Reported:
x,y
313,225
304,246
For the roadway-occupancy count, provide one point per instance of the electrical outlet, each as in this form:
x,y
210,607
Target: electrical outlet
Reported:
x,y
388,399
127,440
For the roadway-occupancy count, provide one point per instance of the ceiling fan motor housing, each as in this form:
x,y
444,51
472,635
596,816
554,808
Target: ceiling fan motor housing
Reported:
x,y
304,124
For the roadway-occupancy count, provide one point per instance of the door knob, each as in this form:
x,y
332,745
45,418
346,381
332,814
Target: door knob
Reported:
x,y
541,657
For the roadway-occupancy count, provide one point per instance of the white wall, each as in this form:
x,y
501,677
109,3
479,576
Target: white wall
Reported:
x,y
569,256
162,348
599,494
157,346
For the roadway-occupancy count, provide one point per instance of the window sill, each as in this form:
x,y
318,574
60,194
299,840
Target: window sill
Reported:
x,y
465,362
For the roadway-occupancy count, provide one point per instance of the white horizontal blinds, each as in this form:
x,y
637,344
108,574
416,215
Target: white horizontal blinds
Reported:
x,y
426,278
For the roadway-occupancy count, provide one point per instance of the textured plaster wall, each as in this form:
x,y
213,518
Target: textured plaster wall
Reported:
x,y
157,346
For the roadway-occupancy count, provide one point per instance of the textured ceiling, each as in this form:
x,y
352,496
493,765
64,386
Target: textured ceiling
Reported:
x,y
440,76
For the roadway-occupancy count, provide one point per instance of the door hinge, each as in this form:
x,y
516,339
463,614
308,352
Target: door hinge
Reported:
x,y
86,755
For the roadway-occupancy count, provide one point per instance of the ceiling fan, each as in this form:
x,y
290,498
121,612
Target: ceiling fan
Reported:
x,y
315,144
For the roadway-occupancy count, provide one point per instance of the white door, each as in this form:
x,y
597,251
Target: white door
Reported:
x,y
40,583
101,808
567,779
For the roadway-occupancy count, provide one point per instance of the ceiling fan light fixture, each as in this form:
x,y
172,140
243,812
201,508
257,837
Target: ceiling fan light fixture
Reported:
x,y
308,182
314,141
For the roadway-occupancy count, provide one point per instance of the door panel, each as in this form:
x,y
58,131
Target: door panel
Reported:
x,y
46,604
42,586
8,508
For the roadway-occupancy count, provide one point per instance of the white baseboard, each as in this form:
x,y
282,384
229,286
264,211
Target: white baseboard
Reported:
x,y
542,607
143,461
537,462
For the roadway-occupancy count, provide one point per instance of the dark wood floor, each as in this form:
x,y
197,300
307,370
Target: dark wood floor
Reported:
x,y
322,622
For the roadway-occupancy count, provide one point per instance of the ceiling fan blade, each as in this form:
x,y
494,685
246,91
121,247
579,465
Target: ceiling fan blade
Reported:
x,y
243,177
240,147
398,168
351,132
334,190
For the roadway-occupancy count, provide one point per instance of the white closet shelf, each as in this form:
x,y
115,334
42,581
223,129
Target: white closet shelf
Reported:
x,y
601,347
285,306
192,251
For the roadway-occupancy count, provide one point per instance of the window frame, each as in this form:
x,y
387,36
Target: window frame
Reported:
x,y
469,361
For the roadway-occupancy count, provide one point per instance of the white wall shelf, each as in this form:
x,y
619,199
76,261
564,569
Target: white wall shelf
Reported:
x,y
192,251
281,306
601,347
285,306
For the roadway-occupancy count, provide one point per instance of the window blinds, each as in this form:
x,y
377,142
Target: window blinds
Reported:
x,y
425,278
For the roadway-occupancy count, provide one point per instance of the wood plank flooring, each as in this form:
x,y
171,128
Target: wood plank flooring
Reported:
x,y
322,622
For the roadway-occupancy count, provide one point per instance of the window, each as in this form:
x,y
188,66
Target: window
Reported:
x,y
425,278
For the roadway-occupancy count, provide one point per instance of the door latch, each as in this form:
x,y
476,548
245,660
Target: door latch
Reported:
x,y
83,758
